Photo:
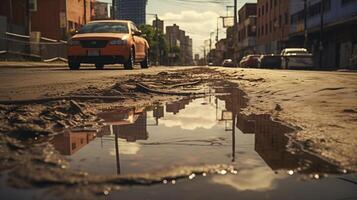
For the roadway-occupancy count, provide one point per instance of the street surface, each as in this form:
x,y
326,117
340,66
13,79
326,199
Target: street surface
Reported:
x,y
316,110
20,83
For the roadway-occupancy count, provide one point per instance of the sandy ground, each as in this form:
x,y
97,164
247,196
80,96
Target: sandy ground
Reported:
x,y
22,83
323,105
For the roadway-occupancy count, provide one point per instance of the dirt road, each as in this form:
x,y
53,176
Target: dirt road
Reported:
x,y
19,83
321,106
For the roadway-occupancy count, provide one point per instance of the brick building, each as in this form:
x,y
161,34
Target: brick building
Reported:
x,y
273,25
14,16
55,18
247,29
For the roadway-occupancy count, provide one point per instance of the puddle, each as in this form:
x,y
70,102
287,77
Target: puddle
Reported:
x,y
188,132
202,131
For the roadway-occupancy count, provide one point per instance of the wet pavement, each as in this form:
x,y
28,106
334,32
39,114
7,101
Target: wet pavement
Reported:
x,y
203,131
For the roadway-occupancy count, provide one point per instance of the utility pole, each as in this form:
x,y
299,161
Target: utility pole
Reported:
x,y
305,24
113,9
235,30
321,47
28,13
217,30
157,40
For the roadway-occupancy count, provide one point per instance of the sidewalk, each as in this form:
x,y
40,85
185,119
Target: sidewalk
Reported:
x,y
26,64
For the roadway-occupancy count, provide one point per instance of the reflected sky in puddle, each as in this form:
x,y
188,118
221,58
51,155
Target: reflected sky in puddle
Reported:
x,y
190,132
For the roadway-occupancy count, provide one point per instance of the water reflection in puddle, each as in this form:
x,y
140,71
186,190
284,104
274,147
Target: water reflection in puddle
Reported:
x,y
208,130
191,132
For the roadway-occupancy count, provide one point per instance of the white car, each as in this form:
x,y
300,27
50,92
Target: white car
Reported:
x,y
296,58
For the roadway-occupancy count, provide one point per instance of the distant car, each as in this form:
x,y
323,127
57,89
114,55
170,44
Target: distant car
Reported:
x,y
250,61
210,64
228,63
108,42
293,58
270,61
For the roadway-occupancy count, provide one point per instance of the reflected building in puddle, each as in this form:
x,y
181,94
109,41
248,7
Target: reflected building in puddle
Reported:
x,y
270,137
70,142
135,131
176,106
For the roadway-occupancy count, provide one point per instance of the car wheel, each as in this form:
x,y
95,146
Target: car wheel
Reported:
x,y
99,66
130,63
145,63
74,65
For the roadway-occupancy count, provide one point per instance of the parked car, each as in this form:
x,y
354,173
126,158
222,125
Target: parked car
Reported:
x,y
108,42
293,58
270,61
250,61
228,63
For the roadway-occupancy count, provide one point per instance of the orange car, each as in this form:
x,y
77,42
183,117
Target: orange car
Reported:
x,y
108,42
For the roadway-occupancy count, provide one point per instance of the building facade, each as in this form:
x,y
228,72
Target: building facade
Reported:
x,y
247,27
100,10
159,24
134,10
14,16
53,19
273,25
334,45
178,38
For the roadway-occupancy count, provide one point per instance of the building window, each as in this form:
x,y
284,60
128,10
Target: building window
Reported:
x,y
266,7
344,2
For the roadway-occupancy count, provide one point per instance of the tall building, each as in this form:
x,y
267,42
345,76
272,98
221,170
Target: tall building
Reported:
x,y
159,24
134,10
273,25
247,27
100,10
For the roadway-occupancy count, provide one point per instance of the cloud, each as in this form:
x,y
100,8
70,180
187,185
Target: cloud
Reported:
x,y
126,148
255,179
192,118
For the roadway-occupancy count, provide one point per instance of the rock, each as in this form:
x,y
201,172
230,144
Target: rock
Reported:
x,y
25,131
75,108
309,144
17,119
163,74
278,107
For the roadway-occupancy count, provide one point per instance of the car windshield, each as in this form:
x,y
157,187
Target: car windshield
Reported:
x,y
105,27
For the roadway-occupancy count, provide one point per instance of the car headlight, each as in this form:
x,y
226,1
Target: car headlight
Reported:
x,y
73,43
118,42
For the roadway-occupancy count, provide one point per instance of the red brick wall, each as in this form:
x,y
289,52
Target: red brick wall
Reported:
x,y
75,11
268,26
47,18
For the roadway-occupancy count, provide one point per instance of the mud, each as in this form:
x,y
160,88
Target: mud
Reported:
x,y
30,161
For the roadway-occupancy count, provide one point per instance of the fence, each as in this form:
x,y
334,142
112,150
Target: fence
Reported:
x,y
15,46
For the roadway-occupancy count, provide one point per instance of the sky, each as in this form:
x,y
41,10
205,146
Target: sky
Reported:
x,y
197,17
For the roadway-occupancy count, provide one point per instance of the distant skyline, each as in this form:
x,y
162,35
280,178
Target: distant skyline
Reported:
x,y
197,19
